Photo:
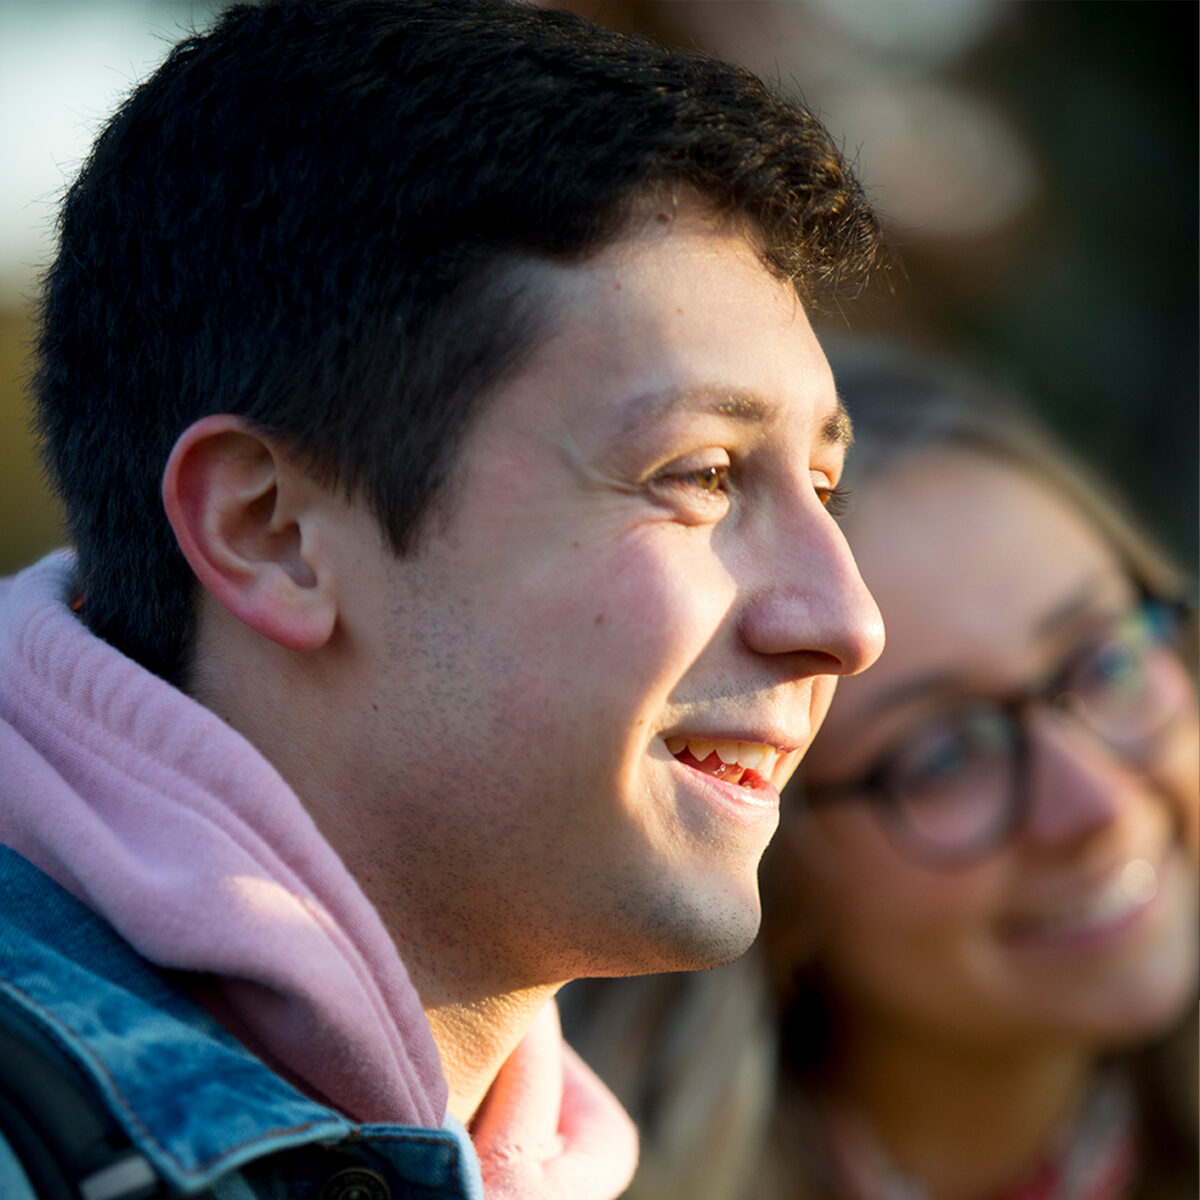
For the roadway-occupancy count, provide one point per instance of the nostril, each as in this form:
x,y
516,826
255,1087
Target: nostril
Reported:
x,y
835,636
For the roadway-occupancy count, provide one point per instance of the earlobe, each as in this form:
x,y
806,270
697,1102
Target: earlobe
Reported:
x,y
248,521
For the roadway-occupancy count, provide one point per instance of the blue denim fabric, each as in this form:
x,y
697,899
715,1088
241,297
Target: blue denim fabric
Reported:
x,y
209,1117
14,1185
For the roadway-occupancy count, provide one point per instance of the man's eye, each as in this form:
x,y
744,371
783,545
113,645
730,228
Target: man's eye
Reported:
x,y
713,480
835,499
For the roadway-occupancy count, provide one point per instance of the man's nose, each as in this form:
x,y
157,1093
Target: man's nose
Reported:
x,y
1076,783
810,600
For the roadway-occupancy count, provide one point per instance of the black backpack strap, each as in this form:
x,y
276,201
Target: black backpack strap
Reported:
x,y
67,1141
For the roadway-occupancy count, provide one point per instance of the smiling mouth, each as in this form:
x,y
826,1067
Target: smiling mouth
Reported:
x,y
1126,894
747,764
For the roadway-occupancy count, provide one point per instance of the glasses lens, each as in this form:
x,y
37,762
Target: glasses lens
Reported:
x,y
1130,685
952,789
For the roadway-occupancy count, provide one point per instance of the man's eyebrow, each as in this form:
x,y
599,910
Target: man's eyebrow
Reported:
x,y
838,430
748,407
652,407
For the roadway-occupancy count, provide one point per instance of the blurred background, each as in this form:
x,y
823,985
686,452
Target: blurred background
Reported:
x,y
1035,161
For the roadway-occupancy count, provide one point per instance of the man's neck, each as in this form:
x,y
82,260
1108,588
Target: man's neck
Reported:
x,y
475,1039
477,1013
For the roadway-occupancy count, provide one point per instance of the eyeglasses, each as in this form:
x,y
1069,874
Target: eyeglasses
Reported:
x,y
958,786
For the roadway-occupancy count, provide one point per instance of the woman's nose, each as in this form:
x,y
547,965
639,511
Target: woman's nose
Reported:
x,y
1077,785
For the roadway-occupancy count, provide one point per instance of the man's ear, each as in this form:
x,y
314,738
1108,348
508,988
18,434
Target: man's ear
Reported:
x,y
248,520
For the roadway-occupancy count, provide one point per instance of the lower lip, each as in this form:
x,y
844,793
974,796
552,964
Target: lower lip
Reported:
x,y
1083,936
751,805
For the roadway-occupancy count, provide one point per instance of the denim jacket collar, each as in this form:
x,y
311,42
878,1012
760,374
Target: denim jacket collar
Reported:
x,y
190,1098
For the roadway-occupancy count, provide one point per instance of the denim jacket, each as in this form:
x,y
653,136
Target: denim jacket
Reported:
x,y
206,1116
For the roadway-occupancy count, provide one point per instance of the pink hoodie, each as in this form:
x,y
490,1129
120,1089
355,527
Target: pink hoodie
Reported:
x,y
172,827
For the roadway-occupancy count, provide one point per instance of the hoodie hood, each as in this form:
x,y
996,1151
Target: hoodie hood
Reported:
x,y
178,832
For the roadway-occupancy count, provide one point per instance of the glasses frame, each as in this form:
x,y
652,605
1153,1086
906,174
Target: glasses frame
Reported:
x,y
1166,617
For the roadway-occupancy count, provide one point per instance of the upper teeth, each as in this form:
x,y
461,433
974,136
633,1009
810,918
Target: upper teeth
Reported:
x,y
751,755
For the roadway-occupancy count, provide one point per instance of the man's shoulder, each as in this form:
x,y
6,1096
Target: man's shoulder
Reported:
x,y
190,1101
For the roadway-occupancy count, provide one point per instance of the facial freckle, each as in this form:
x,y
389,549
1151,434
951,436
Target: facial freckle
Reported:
x,y
599,619
662,218
575,545
374,707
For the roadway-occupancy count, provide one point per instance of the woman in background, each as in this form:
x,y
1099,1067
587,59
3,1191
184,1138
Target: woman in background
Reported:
x,y
977,976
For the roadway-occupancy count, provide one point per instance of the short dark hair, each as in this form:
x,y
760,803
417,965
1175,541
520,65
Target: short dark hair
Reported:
x,y
309,216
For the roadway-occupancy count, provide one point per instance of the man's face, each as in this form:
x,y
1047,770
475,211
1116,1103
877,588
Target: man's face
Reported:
x,y
635,565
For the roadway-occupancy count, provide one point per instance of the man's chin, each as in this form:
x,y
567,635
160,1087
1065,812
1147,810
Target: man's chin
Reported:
x,y
695,931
